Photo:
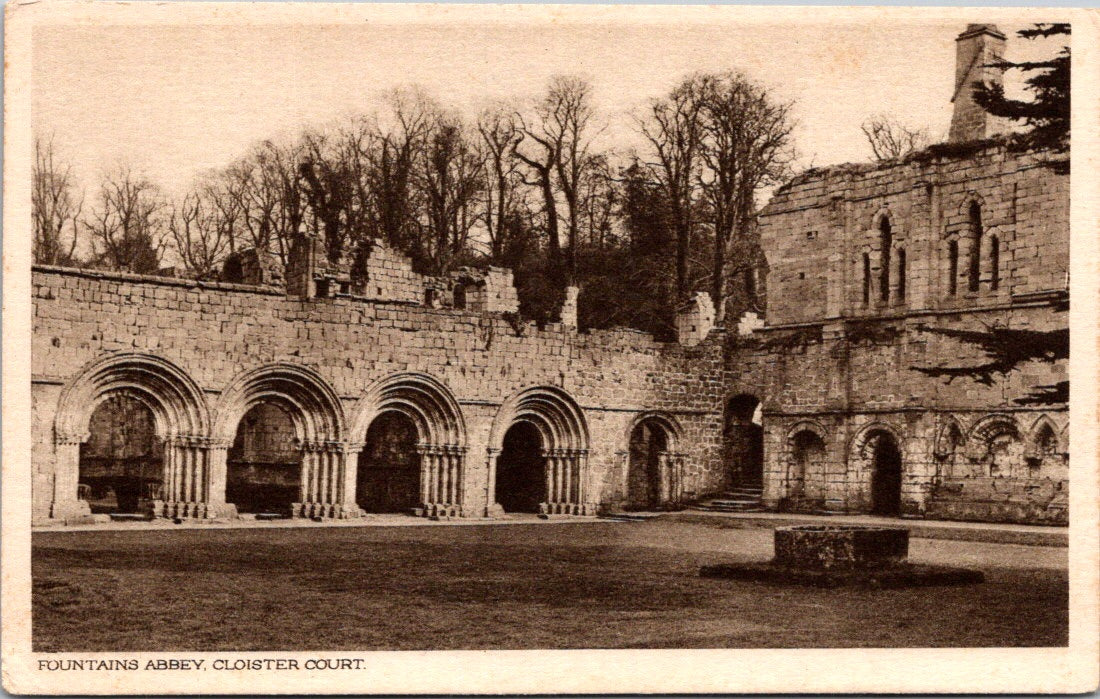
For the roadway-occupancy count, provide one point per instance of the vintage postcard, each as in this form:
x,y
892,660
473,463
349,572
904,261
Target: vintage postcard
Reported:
x,y
511,349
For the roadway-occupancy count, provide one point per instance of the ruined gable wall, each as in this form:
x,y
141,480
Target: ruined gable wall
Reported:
x,y
817,228
829,362
214,332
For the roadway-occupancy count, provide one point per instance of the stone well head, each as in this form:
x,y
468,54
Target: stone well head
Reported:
x,y
840,546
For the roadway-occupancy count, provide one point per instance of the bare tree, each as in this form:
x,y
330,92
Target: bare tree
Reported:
x,y
126,227
891,139
202,230
390,167
264,192
599,200
539,152
672,126
745,146
55,208
450,178
501,195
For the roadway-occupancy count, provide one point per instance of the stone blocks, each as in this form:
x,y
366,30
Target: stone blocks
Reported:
x,y
838,546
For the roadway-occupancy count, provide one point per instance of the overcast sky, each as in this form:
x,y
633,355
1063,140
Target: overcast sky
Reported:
x,y
175,100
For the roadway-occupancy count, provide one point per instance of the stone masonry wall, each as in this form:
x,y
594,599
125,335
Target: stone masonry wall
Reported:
x,y
830,363
216,332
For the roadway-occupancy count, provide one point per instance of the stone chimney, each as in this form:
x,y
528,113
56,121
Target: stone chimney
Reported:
x,y
976,48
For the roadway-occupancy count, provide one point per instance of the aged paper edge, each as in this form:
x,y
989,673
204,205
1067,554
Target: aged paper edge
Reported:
x,y
1042,670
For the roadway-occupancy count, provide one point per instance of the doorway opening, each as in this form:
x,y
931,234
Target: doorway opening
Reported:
x,y
648,443
886,476
521,470
388,477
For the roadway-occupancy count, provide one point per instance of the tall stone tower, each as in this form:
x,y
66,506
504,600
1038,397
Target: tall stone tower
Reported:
x,y
977,48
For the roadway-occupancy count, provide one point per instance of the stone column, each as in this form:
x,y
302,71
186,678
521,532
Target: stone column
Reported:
x,y
348,480
66,506
567,477
216,475
548,470
586,495
492,507
458,479
185,492
307,481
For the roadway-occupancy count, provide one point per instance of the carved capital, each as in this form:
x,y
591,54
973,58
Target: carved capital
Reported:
x,y
61,438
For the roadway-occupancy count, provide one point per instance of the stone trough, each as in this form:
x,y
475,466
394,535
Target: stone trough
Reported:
x,y
833,556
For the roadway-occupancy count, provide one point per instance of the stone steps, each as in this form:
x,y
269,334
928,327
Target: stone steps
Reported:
x,y
739,499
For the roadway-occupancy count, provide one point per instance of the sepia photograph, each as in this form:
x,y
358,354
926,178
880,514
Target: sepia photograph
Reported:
x,y
353,329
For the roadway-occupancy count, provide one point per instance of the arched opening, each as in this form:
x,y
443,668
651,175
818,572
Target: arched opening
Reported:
x,y
866,279
994,263
388,477
974,214
744,438
121,465
952,267
947,452
521,470
885,475
263,467
1045,447
648,443
901,274
807,461
886,240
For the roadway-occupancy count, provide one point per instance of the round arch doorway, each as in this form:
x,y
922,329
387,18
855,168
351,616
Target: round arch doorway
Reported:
x,y
649,442
885,476
521,470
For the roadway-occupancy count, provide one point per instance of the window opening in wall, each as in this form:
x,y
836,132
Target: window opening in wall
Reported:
x,y
995,263
460,296
885,240
866,279
322,288
975,245
901,274
953,267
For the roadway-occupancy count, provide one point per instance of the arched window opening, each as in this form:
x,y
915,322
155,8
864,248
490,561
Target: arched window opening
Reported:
x,y
1046,446
866,279
886,239
994,263
975,215
901,274
749,275
121,464
953,267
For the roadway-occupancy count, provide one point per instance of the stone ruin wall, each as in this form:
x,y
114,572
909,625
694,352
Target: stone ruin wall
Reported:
x,y
215,332
824,361
830,363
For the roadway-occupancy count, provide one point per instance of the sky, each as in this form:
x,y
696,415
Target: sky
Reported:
x,y
175,100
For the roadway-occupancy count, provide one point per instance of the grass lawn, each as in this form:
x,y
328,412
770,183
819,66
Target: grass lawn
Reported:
x,y
590,585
